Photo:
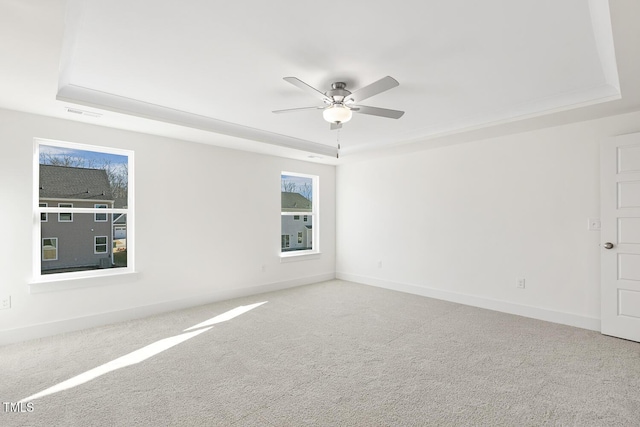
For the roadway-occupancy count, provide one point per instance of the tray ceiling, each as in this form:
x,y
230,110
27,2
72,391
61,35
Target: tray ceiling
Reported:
x,y
212,72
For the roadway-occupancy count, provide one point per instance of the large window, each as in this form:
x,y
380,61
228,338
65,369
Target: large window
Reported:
x,y
90,191
299,198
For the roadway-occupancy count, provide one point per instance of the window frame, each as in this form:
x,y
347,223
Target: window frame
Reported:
x,y
95,215
66,206
285,241
314,215
56,248
47,282
46,215
105,244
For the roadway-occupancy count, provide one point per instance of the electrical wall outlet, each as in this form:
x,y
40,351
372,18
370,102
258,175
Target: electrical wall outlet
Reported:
x,y
5,302
520,283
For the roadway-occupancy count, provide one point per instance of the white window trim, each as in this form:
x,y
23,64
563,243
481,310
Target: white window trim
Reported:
x,y
46,215
99,206
42,248
66,206
52,282
106,245
314,215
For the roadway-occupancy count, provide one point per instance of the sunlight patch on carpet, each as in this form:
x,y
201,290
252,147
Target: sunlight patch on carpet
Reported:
x,y
143,353
227,315
121,362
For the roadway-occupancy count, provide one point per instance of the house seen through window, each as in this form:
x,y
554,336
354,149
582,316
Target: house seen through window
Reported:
x,y
297,194
84,204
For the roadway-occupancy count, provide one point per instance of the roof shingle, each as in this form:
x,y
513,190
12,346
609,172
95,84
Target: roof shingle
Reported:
x,y
295,202
63,182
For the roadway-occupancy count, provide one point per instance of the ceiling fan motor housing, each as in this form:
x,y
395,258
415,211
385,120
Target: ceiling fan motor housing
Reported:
x,y
338,92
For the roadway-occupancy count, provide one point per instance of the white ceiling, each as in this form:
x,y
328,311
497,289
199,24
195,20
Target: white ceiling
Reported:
x,y
212,72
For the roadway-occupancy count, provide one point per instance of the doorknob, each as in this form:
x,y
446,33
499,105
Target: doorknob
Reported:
x,y
608,245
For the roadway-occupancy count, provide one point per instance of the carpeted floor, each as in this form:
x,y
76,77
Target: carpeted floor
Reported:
x,y
329,354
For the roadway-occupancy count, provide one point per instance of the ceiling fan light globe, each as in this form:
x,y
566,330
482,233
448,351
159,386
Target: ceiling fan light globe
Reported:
x,y
337,114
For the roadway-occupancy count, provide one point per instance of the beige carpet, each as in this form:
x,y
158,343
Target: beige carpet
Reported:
x,y
330,354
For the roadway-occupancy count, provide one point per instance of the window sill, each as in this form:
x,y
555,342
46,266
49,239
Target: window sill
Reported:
x,y
63,281
298,256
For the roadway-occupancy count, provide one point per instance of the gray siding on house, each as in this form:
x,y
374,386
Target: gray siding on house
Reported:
x,y
76,238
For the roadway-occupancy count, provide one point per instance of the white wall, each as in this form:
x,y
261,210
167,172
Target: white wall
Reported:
x,y
459,223
463,222
207,220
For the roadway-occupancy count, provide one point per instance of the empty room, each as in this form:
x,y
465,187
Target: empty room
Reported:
x,y
320,213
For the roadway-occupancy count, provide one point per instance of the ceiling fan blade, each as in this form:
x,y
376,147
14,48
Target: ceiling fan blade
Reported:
x,y
309,89
291,110
335,126
375,111
374,88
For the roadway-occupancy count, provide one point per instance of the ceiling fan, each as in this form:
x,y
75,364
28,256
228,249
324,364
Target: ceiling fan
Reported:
x,y
341,103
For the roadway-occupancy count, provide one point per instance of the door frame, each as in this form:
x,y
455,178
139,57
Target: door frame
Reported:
x,y
612,320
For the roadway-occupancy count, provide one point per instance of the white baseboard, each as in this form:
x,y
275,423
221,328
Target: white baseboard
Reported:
x,y
68,325
563,318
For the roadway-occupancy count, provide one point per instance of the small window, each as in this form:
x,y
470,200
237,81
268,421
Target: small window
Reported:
x,y
100,245
44,217
50,249
100,217
285,241
299,201
65,216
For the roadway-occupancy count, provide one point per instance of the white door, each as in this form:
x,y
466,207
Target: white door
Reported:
x,y
620,236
